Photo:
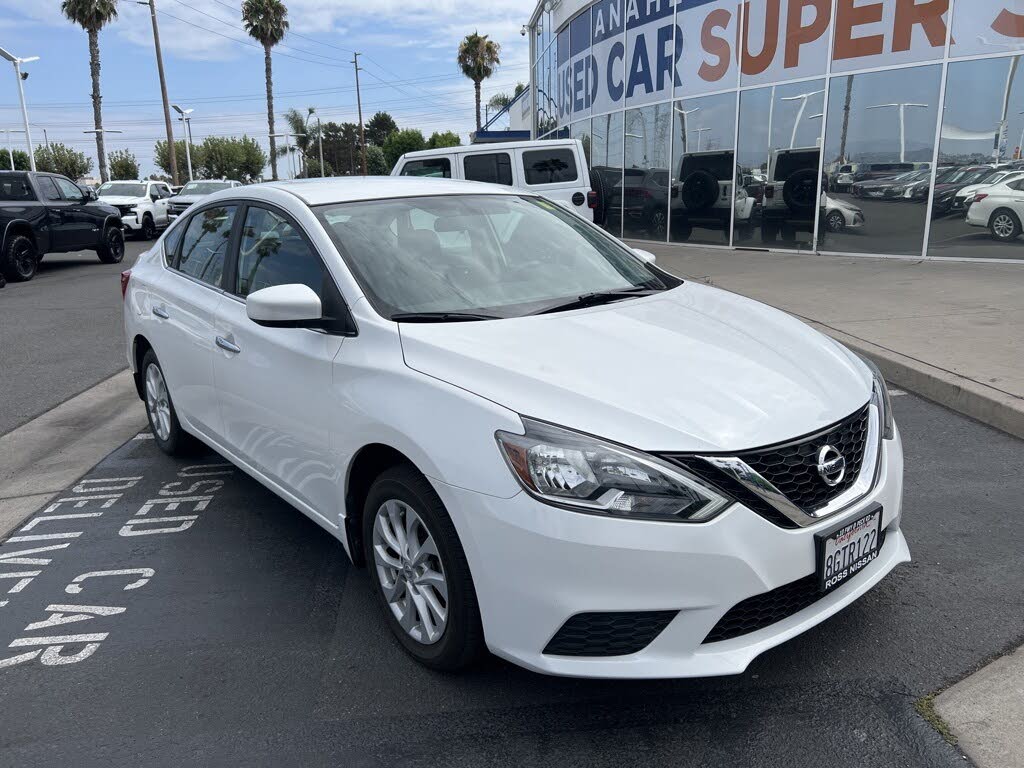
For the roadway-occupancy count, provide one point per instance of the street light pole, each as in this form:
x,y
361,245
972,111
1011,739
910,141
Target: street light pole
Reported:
x,y
20,77
686,113
186,120
10,149
902,108
802,98
288,147
163,91
319,138
104,161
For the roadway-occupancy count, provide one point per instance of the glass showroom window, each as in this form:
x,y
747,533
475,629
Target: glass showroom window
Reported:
x,y
645,181
704,172
977,211
606,170
778,157
581,131
878,154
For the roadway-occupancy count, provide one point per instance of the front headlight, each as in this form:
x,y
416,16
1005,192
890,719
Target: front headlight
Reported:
x,y
880,398
586,474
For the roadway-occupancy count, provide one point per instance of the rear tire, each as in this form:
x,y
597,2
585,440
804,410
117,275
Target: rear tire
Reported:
x,y
163,419
19,260
111,246
1004,225
430,571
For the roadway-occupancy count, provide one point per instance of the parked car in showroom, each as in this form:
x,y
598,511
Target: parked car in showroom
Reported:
x,y
1000,209
965,196
539,442
889,188
792,194
195,191
43,213
142,204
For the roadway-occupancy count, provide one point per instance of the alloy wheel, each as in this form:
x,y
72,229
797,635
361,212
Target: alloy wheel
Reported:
x,y
410,571
658,224
24,259
115,244
158,404
1003,226
836,222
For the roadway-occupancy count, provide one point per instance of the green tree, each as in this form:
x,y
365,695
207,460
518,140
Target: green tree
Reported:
x,y
478,58
232,158
380,127
520,87
446,139
63,160
123,165
400,142
92,16
19,157
341,143
302,142
376,164
163,162
313,168
499,100
266,21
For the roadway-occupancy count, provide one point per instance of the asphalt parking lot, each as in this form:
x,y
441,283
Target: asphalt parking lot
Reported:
x,y
64,329
235,633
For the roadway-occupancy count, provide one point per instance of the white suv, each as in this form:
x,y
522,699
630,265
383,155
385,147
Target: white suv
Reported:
x,y
143,205
556,169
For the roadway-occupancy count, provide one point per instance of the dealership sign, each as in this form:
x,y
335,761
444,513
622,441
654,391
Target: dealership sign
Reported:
x,y
693,46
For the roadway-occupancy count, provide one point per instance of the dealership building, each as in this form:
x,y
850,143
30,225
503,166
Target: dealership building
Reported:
x,y
793,124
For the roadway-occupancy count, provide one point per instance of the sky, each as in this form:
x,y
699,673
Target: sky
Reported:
x,y
408,57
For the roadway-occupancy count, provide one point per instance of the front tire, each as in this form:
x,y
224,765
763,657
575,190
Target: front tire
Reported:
x,y
419,571
111,246
163,419
148,228
835,222
19,259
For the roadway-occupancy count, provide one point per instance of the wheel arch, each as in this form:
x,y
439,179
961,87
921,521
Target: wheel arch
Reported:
x,y
1001,209
140,346
366,465
18,227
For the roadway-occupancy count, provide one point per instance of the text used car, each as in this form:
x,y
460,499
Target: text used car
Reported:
x,y
539,442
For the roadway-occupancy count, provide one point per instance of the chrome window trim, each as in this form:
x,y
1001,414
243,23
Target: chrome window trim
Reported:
x,y
866,481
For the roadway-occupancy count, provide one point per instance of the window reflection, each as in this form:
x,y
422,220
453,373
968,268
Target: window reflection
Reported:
x,y
704,171
643,190
978,204
606,169
878,152
778,155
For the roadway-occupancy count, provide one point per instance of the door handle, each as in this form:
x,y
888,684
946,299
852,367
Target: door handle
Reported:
x,y
161,313
228,346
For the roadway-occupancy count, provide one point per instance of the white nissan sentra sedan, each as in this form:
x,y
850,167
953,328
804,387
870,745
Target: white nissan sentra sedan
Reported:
x,y
538,442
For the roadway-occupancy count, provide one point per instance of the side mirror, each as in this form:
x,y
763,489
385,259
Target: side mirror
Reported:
x,y
646,256
90,194
154,196
285,306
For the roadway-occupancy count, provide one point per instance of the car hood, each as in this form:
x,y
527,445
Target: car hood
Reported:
x,y
187,199
123,200
692,369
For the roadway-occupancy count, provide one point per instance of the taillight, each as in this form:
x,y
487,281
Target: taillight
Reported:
x,y
592,199
125,277
979,197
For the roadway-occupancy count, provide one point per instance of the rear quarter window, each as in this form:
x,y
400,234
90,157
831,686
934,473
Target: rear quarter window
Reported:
x,y
493,168
16,190
549,166
433,167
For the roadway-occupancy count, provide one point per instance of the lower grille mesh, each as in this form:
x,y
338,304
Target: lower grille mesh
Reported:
x,y
608,634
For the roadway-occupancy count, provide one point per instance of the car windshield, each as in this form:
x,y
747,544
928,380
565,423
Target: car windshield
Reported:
x,y
495,255
121,189
203,187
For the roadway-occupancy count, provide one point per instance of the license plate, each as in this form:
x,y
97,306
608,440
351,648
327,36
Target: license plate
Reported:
x,y
844,551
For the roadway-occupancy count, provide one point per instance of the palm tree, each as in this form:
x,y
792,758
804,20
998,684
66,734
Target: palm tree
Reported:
x,y
92,16
266,22
478,58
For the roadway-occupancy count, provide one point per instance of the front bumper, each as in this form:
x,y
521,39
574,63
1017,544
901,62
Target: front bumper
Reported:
x,y
131,221
534,566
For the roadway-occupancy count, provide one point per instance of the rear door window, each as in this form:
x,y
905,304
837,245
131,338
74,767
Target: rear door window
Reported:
x,y
205,244
431,167
549,166
16,190
494,168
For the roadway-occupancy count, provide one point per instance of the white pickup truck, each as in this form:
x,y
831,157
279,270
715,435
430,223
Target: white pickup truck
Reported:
x,y
143,205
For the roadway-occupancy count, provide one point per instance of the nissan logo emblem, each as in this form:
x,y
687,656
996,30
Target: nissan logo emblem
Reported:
x,y
831,466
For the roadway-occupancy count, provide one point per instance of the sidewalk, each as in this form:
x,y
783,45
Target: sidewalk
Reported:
x,y
950,331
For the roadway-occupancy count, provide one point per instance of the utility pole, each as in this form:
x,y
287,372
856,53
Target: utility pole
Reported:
x,y
163,91
359,105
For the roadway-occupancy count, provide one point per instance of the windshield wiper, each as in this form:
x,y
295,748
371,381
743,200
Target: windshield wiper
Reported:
x,y
440,317
600,297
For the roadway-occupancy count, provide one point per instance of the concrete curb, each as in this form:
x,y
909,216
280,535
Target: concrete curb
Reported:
x,y
985,712
986,404
41,458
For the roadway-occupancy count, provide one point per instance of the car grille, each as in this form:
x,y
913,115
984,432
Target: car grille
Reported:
x,y
763,610
793,469
608,634
177,209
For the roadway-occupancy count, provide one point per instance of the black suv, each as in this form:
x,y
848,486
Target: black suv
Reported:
x,y
44,213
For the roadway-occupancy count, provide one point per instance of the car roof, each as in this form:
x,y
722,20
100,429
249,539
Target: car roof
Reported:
x,y
344,190
497,146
